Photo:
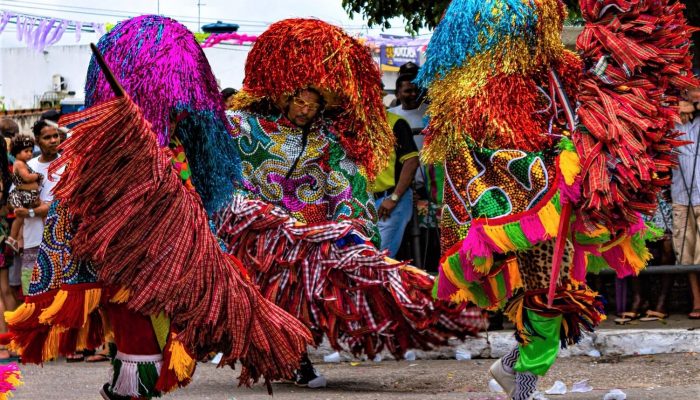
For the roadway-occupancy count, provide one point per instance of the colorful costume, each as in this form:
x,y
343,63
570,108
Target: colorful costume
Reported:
x,y
517,165
303,222
128,251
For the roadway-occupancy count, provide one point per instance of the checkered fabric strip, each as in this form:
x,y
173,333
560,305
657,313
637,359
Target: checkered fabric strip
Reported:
x,y
145,231
339,284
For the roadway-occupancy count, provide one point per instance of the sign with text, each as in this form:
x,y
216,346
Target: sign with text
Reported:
x,y
392,57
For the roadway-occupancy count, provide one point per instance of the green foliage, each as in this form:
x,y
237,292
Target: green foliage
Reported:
x,y
426,14
417,13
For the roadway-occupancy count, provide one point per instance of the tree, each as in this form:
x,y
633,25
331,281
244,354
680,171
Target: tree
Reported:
x,y
426,14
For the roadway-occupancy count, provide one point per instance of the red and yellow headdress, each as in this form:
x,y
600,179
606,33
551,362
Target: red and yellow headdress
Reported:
x,y
294,54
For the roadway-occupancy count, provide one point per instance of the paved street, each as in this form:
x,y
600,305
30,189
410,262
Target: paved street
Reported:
x,y
663,376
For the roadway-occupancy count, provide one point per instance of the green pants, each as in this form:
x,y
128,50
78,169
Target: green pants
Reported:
x,y
539,355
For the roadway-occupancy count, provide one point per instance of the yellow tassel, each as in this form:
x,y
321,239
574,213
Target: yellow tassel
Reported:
x,y
514,277
462,296
499,237
51,311
107,328
122,296
485,267
637,261
81,341
569,165
50,350
180,362
549,216
92,301
21,314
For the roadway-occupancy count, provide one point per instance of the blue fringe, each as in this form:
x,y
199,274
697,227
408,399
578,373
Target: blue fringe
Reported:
x,y
459,36
212,156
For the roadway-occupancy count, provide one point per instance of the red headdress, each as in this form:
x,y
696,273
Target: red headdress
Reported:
x,y
294,54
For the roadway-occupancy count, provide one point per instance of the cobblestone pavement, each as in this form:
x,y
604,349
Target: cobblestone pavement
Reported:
x,y
662,376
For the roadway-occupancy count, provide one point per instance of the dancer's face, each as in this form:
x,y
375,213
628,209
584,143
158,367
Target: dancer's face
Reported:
x,y
304,107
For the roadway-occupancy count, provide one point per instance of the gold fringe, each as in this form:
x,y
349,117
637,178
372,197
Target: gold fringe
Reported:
x,y
56,305
180,362
549,216
21,314
50,350
569,165
122,296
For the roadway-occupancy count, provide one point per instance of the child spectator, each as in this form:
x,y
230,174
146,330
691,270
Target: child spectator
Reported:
x,y
25,193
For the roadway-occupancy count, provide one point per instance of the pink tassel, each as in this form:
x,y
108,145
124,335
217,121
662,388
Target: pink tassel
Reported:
x,y
445,287
476,244
578,272
533,228
570,194
638,226
617,261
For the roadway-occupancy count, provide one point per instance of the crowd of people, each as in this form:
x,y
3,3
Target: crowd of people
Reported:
x,y
275,216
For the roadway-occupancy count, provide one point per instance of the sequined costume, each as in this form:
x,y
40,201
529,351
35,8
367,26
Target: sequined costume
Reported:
x,y
532,198
303,221
128,253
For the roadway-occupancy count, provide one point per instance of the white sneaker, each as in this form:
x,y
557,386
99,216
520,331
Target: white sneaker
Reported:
x,y
537,396
505,379
318,382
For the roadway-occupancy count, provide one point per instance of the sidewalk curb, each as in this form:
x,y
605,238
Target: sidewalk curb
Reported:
x,y
605,342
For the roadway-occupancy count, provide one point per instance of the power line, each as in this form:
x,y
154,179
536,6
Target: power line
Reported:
x,y
113,13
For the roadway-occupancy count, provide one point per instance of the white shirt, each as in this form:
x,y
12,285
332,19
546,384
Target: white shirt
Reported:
x,y
34,227
685,186
415,120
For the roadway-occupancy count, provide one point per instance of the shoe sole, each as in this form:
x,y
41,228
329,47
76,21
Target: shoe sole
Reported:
x,y
316,383
104,395
496,371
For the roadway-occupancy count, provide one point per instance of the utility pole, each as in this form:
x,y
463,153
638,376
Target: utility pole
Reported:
x,y
199,15
158,7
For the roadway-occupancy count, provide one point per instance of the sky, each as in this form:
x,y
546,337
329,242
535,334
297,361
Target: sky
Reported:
x,y
253,16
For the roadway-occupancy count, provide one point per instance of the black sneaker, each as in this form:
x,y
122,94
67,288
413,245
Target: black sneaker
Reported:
x,y
306,376
107,394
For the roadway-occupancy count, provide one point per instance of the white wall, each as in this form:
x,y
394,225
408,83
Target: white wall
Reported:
x,y
25,73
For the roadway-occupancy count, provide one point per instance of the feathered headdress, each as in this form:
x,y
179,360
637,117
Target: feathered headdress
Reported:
x,y
164,70
294,54
484,70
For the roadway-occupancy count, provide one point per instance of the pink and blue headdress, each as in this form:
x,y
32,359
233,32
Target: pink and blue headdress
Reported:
x,y
164,70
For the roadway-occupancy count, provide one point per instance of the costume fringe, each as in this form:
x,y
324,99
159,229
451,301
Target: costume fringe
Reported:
x,y
169,261
143,52
466,270
581,308
34,341
339,285
135,375
283,60
178,366
637,59
10,380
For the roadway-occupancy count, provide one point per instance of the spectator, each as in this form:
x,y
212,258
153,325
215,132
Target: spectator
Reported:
x,y
25,192
392,188
9,129
48,139
685,194
8,301
411,108
228,95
